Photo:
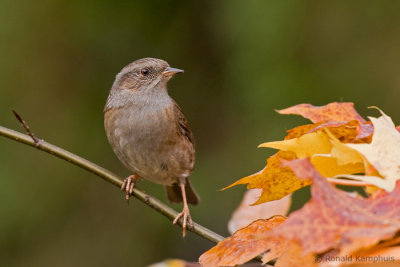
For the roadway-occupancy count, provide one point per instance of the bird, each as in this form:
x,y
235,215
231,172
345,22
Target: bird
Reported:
x,y
149,133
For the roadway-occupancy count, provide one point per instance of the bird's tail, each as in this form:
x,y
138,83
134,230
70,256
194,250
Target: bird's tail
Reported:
x,y
174,193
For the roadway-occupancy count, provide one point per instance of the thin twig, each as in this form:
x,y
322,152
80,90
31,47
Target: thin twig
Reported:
x,y
27,129
107,175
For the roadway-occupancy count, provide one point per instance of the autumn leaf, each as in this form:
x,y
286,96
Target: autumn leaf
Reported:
x,y
293,256
365,131
385,257
342,153
245,244
333,223
329,156
275,181
302,130
335,220
346,131
335,111
383,154
332,115
304,146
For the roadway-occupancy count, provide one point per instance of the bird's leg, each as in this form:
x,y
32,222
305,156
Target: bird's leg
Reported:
x,y
128,185
185,212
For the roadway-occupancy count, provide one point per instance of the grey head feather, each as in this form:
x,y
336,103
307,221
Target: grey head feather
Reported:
x,y
132,88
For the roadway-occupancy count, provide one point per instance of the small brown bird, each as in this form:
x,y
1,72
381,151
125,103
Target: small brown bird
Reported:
x,y
149,133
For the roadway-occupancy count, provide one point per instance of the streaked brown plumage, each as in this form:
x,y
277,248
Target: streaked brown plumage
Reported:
x,y
149,133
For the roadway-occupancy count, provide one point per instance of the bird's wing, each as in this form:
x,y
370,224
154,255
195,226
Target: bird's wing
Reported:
x,y
183,125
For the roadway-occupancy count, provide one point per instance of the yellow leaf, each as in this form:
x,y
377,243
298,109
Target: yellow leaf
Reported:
x,y
329,167
329,156
342,153
304,146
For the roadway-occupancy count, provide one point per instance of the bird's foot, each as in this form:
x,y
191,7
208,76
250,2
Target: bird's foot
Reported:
x,y
187,219
128,185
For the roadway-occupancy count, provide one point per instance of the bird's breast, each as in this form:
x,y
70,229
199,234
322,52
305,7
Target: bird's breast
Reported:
x,y
146,142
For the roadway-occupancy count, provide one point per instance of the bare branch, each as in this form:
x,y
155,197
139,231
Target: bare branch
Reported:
x,y
110,177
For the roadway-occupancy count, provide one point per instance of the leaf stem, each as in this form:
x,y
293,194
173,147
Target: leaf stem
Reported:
x,y
347,182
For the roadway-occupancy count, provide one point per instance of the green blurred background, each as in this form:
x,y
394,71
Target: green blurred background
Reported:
x,y
242,60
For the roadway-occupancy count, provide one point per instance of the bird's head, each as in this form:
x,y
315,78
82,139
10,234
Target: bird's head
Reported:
x,y
145,74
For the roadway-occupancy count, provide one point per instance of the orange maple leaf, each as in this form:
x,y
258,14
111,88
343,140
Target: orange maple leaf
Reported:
x,y
245,244
346,131
332,112
293,256
332,115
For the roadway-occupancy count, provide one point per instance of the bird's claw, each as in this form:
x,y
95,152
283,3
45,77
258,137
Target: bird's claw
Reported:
x,y
187,219
128,185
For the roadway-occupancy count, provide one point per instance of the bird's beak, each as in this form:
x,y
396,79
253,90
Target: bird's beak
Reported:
x,y
171,71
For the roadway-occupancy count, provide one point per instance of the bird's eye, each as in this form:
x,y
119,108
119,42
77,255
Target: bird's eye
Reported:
x,y
144,72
